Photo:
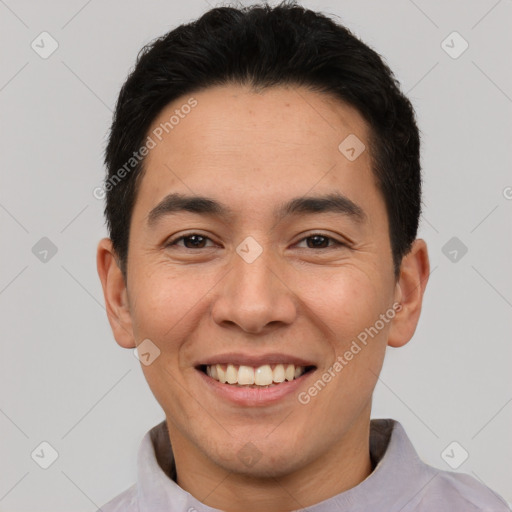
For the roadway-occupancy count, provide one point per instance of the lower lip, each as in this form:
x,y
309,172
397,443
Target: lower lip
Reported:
x,y
251,397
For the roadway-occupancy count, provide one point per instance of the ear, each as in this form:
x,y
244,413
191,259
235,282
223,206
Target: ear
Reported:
x,y
410,287
115,293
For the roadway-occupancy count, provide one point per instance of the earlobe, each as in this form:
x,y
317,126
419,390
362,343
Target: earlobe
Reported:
x,y
410,288
115,293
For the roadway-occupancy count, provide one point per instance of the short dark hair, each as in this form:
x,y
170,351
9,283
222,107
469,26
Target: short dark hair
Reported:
x,y
263,46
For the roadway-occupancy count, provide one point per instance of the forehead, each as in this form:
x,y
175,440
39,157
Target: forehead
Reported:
x,y
257,147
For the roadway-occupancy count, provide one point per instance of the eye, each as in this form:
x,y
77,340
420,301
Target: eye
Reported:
x,y
195,241
198,241
320,240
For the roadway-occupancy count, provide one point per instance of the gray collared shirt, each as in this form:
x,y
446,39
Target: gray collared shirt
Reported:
x,y
400,482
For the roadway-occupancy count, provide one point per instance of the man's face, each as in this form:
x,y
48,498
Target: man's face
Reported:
x,y
214,298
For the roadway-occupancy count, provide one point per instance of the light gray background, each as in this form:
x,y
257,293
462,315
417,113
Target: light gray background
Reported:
x,y
64,380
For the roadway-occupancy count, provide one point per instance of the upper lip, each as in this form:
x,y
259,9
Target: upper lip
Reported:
x,y
253,360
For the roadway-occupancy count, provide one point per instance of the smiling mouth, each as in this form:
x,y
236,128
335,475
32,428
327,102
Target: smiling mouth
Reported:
x,y
264,376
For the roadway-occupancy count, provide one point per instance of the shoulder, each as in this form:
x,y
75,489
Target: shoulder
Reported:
x,y
458,491
124,502
420,487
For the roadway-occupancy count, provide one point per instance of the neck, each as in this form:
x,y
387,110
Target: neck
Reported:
x,y
343,466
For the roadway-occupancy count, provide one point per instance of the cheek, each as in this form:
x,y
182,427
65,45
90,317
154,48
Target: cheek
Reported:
x,y
351,305
347,300
160,301
165,311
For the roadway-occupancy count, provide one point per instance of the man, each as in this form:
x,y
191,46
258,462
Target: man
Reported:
x,y
263,198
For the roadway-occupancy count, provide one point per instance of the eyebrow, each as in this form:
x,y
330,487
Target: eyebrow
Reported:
x,y
328,203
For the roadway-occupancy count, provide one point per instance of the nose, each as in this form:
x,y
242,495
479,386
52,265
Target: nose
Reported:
x,y
255,296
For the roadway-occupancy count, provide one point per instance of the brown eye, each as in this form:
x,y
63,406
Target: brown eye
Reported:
x,y
320,241
191,241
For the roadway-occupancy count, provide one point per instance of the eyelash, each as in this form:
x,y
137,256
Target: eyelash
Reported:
x,y
336,243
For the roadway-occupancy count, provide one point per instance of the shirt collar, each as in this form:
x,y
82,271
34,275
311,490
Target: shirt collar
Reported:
x,y
388,487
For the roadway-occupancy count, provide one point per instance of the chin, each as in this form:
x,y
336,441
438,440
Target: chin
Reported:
x,y
264,469
255,460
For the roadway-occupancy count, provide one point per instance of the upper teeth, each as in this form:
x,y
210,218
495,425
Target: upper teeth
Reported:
x,y
263,375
